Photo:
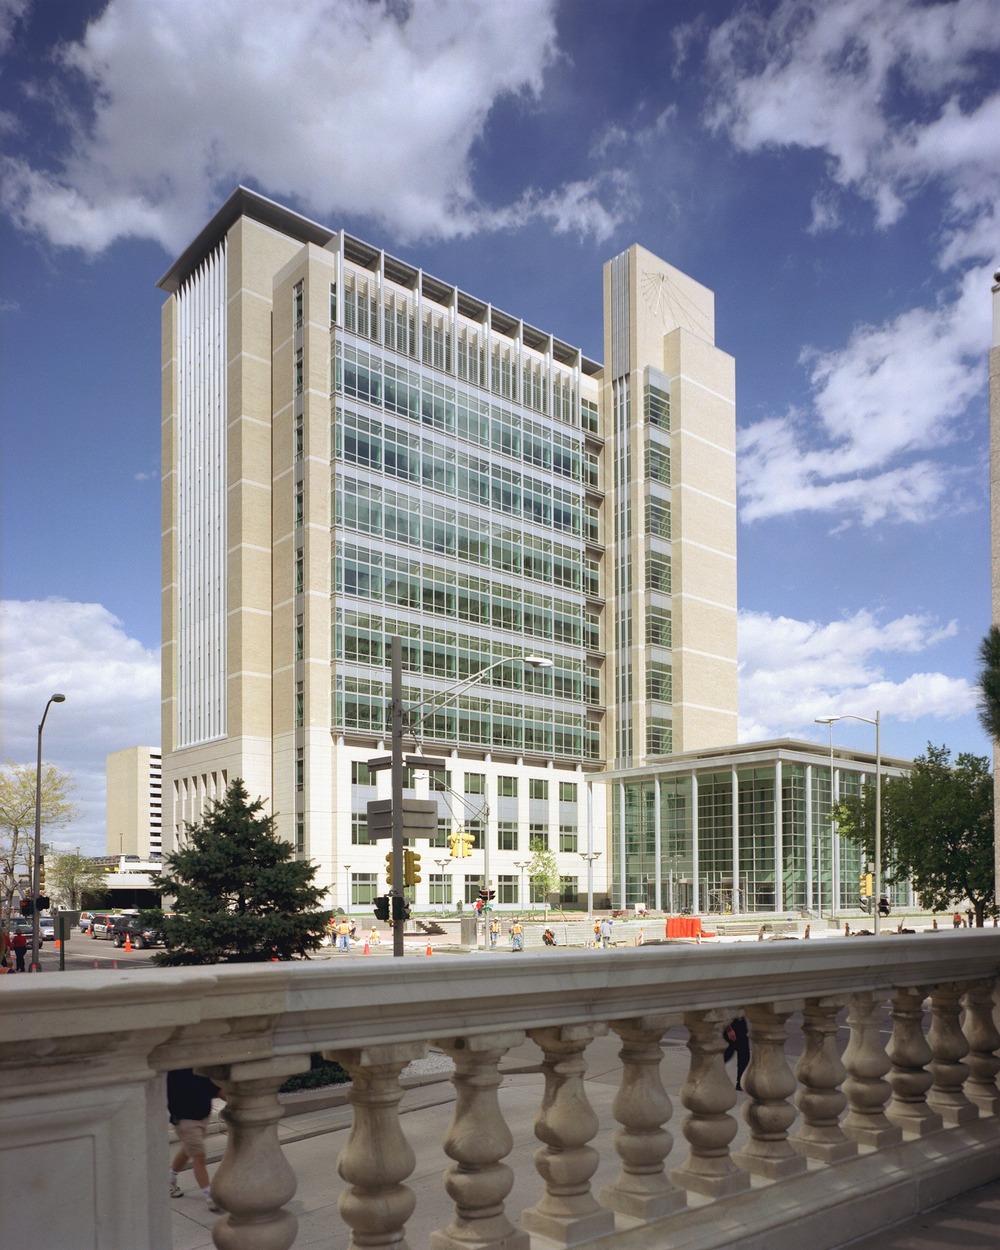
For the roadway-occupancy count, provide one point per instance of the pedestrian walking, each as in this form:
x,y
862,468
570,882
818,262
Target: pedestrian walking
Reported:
x,y
737,1037
517,936
494,932
343,934
189,1102
19,945
605,931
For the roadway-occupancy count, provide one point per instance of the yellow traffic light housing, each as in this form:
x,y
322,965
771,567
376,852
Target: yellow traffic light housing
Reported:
x,y
388,868
455,844
468,842
866,886
41,875
411,867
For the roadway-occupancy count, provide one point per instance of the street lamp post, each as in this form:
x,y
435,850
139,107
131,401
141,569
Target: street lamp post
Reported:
x,y
877,722
36,874
347,887
590,856
442,865
828,721
400,718
521,864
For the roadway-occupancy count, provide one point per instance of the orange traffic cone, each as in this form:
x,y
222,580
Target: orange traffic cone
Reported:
x,y
367,950
429,951
128,941
114,964
95,963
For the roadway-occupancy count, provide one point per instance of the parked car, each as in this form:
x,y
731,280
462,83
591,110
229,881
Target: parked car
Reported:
x,y
84,923
47,928
102,923
140,935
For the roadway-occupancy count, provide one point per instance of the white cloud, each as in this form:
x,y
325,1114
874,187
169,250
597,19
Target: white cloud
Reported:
x,y
112,688
832,77
363,107
794,671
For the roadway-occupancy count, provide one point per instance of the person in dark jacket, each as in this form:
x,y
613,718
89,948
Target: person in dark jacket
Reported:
x,y
189,1101
738,1043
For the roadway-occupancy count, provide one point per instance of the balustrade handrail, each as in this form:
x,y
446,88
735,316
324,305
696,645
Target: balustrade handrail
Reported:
x,y
918,1114
227,1013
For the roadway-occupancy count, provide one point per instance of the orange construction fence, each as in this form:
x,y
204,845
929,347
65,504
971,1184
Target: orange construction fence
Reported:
x,y
683,926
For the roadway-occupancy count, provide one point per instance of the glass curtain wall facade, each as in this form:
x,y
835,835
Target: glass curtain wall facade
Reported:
x,y
748,832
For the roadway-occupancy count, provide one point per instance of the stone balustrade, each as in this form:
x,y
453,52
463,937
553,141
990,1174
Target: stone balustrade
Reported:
x,y
848,1140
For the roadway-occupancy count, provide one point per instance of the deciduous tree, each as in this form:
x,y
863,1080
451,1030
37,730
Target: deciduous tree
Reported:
x,y
70,877
543,870
17,819
937,829
239,893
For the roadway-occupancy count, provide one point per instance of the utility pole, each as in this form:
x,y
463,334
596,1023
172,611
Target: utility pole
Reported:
x,y
396,751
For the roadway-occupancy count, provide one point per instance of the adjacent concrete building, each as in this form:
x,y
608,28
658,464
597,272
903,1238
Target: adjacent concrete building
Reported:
x,y
354,449
134,803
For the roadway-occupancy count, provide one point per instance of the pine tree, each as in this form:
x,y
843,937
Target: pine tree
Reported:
x,y
989,683
240,896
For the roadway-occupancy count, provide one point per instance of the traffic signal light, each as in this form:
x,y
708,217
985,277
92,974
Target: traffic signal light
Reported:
x,y
27,907
468,842
400,909
42,902
41,876
388,868
382,907
455,844
866,886
411,867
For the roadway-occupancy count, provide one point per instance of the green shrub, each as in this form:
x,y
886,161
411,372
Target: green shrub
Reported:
x,y
321,1072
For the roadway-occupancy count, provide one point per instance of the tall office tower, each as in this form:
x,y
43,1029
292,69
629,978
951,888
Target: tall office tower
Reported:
x,y
353,449
134,797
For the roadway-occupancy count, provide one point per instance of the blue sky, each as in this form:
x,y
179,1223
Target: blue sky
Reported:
x,y
831,170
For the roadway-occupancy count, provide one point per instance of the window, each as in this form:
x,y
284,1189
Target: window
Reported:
x,y
299,706
300,834
439,889
299,571
361,774
507,835
538,788
441,833
300,768
569,889
299,505
298,371
472,888
567,838
364,886
538,832
475,783
359,829
567,791
297,304
507,787
506,889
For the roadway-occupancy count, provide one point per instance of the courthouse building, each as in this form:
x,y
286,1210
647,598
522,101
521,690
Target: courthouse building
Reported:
x,y
354,449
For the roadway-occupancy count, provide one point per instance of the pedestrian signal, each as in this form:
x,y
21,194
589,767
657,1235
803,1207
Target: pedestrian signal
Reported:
x,y
382,907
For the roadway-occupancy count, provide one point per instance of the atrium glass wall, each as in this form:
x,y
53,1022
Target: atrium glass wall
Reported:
x,y
744,839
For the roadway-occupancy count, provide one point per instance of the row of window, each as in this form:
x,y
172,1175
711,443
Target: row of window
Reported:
x,y
535,836
360,316
366,887
405,392
473,783
361,704
429,651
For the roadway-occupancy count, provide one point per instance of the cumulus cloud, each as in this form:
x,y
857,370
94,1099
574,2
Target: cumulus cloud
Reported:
x,y
793,671
365,107
834,78
112,688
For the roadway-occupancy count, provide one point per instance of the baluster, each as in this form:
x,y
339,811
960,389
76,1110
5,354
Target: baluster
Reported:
x,y
642,1106
770,1083
910,1055
949,1046
867,1121
708,1093
568,1213
477,1140
821,1074
984,1040
377,1158
254,1180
